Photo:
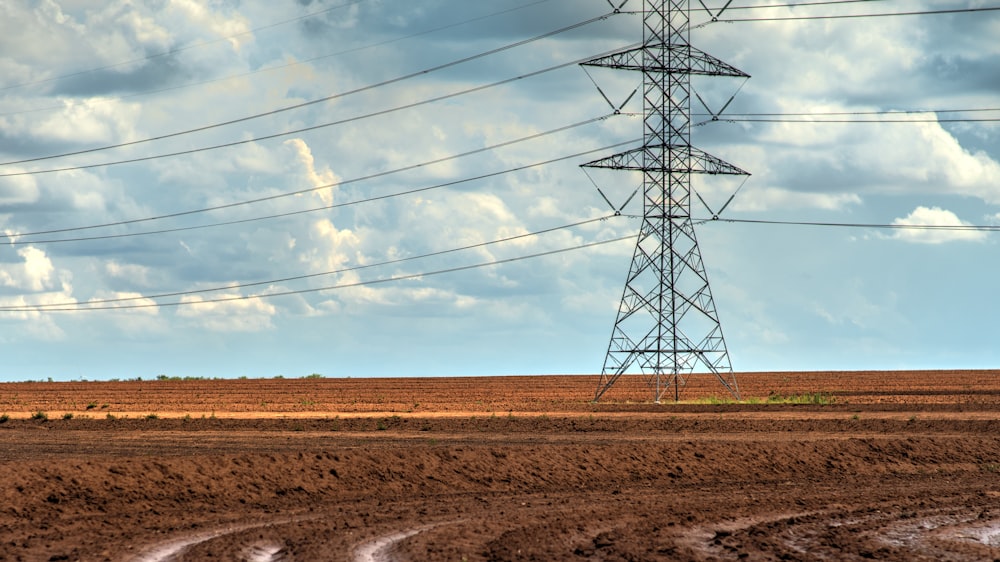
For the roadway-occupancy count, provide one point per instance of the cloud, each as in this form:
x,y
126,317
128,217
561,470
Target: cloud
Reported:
x,y
154,73
81,122
317,178
145,306
333,248
934,216
35,323
133,323
38,282
134,274
775,198
235,27
18,190
243,314
34,274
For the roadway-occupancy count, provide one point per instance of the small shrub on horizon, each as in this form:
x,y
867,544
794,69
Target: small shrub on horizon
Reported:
x,y
152,416
4,418
91,405
68,416
40,415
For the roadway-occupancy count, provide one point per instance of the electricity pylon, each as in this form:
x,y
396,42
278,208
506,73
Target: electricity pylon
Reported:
x,y
667,325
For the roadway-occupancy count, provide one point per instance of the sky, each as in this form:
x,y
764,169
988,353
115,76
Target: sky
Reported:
x,y
294,250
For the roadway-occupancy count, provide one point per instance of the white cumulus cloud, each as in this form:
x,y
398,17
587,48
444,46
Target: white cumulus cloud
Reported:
x,y
935,218
242,314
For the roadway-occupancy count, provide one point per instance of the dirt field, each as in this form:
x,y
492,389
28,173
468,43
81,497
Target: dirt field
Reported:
x,y
900,466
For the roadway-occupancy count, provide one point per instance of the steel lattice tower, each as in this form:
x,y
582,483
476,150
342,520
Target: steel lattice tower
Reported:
x,y
667,325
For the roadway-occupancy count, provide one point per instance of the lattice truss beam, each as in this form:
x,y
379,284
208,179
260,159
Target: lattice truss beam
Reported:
x,y
667,326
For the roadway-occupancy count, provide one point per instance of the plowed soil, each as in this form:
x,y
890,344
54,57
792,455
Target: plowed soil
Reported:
x,y
891,465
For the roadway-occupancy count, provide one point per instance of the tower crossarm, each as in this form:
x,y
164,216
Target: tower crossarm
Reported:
x,y
691,61
686,159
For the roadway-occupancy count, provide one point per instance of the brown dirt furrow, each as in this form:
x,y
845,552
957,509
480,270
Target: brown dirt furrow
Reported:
x,y
908,473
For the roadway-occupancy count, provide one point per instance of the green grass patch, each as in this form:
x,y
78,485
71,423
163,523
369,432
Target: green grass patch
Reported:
x,y
815,398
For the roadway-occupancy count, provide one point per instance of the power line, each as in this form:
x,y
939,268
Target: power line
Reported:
x,y
878,112
282,66
325,99
311,189
795,5
88,306
715,11
338,271
296,131
912,120
894,226
785,117
858,16
15,242
183,47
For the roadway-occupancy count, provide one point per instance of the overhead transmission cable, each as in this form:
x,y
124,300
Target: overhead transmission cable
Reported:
x,y
884,116
279,66
876,112
110,304
909,120
783,117
315,188
15,241
302,130
860,16
183,48
337,271
892,226
730,8
332,97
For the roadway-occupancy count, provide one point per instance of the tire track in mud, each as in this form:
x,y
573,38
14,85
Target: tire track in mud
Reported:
x,y
381,549
957,533
172,549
